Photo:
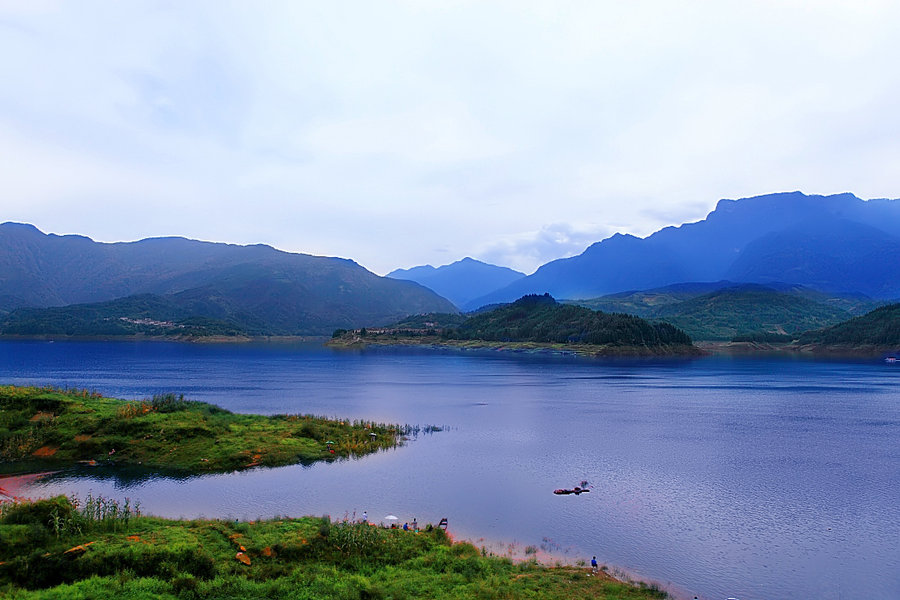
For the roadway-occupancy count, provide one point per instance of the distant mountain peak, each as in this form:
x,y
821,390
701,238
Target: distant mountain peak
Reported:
x,y
460,281
23,227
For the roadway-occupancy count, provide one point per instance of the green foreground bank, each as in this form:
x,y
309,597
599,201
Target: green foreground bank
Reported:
x,y
44,428
56,548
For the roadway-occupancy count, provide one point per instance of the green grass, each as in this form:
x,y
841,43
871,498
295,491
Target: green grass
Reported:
x,y
51,427
134,556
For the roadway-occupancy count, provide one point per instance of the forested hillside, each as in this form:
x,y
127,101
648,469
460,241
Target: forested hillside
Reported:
x,y
541,319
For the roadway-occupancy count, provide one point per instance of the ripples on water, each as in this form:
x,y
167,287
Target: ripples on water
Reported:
x,y
753,478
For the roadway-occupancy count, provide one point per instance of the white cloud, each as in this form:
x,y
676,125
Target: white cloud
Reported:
x,y
527,250
400,132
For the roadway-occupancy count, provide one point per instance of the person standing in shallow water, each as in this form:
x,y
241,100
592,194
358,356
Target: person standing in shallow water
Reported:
x,y
594,565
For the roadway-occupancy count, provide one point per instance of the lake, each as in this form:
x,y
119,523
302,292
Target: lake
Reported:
x,y
758,478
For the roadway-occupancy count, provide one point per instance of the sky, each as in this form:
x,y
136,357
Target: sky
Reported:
x,y
400,133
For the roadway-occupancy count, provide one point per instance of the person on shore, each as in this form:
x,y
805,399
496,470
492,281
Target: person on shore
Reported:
x,y
365,517
415,525
406,527
594,566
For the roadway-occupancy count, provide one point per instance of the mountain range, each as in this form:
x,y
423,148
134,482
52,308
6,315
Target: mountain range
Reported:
x,y
255,288
837,243
818,256
461,281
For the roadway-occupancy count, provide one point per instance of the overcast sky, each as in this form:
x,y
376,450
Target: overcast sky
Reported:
x,y
413,132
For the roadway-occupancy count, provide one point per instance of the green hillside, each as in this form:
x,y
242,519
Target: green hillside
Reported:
x,y
748,311
541,319
732,312
646,303
246,302
249,288
146,314
881,327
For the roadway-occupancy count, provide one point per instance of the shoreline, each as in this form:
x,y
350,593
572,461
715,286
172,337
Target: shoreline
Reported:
x,y
518,553
559,349
717,347
212,339
698,349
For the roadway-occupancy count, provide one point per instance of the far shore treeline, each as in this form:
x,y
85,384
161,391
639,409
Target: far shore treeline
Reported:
x,y
533,319
539,320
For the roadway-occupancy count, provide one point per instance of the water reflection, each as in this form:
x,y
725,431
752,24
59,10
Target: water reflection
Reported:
x,y
735,476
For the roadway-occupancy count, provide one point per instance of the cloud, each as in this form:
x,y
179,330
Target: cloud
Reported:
x,y
399,133
529,250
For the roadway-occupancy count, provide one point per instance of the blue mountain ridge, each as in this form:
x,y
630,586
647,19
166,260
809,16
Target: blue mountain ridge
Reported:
x,y
461,281
836,243
275,291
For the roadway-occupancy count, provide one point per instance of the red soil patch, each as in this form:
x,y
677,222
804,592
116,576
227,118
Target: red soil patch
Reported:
x,y
82,437
42,416
79,549
45,451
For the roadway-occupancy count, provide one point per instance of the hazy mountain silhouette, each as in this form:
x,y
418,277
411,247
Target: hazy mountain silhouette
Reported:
x,y
834,243
461,281
282,292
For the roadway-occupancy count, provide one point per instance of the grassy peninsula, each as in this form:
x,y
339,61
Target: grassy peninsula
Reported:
x,y
57,549
532,323
46,428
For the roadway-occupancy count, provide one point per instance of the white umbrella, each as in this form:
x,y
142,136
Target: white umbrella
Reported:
x,y
391,518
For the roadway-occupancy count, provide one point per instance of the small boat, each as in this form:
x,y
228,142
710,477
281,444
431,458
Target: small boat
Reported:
x,y
577,490
891,360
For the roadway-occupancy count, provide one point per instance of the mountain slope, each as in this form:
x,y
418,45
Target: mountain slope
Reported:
x,y
542,319
282,292
460,281
724,310
708,250
145,314
837,255
741,310
646,303
881,327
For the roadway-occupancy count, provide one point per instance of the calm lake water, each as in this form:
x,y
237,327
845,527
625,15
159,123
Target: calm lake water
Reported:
x,y
746,477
